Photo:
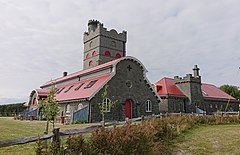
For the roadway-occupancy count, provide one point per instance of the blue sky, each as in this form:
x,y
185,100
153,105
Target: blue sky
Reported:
x,y
42,38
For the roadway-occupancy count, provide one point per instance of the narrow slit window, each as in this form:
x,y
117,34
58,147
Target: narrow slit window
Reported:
x,y
68,89
90,84
79,86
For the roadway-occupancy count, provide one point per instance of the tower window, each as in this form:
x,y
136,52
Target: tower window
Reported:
x,y
87,56
113,43
90,84
107,53
90,63
118,55
94,53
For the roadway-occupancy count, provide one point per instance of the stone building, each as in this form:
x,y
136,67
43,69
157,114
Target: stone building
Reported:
x,y
104,63
188,94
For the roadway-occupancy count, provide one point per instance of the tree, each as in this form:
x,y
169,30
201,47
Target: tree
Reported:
x,y
105,105
231,90
50,107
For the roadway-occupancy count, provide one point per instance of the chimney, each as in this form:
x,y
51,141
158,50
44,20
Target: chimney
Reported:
x,y
196,71
65,74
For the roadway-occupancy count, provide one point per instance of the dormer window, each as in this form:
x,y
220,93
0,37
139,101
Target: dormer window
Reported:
x,y
60,90
68,89
90,84
79,87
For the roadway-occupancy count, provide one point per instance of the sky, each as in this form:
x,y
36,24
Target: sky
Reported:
x,y
40,39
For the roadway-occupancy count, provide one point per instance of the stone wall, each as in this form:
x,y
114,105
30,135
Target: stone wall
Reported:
x,y
129,83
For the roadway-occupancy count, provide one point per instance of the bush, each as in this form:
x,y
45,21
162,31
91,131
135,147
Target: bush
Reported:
x,y
128,139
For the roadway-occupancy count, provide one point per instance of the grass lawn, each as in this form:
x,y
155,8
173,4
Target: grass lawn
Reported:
x,y
14,129
208,140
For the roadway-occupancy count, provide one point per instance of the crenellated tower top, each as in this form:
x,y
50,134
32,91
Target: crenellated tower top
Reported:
x,y
102,45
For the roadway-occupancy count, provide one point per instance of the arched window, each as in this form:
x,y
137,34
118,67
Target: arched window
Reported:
x,y
148,106
87,56
94,53
90,63
68,108
107,53
106,105
80,106
118,55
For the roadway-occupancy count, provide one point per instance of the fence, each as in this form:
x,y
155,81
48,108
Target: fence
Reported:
x,y
57,133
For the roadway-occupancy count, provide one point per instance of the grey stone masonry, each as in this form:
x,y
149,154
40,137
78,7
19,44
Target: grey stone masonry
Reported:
x,y
129,83
98,40
191,87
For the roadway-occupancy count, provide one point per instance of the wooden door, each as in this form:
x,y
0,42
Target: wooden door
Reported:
x,y
128,109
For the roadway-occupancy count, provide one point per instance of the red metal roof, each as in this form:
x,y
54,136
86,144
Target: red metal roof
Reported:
x,y
208,90
167,86
211,91
42,92
82,92
86,71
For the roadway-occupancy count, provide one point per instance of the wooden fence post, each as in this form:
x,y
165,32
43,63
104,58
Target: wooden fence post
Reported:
x,y
56,137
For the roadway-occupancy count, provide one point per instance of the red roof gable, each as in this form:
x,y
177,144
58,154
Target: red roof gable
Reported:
x,y
82,92
209,91
168,87
42,92
86,71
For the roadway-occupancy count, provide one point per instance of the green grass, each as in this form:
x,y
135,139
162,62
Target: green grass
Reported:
x,y
14,129
208,140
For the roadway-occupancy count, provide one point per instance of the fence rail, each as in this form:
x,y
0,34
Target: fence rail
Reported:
x,y
57,134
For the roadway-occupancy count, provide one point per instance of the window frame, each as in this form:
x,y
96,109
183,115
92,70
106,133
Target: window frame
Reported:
x,y
106,105
148,106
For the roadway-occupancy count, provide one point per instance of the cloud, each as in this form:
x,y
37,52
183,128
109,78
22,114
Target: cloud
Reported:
x,y
41,39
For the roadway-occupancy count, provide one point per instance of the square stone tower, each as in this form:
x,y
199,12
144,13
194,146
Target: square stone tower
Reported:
x,y
101,45
191,87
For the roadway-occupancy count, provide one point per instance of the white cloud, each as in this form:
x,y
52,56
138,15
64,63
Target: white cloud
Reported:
x,y
40,39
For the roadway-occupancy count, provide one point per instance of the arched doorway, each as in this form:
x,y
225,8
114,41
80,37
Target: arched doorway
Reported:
x,y
128,109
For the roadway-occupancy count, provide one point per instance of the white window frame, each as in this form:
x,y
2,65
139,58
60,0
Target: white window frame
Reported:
x,y
68,108
106,105
148,106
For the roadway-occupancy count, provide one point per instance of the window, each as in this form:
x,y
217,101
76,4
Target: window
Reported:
x,y
79,86
80,106
148,106
90,63
68,89
113,43
60,90
106,104
211,106
90,84
94,53
68,108
87,56
118,55
107,53
90,44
